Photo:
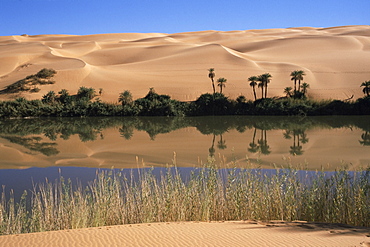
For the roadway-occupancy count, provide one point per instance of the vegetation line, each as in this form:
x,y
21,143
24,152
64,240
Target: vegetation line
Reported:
x,y
207,194
87,103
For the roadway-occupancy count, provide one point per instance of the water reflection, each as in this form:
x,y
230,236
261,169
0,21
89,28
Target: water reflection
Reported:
x,y
34,144
365,139
43,136
299,136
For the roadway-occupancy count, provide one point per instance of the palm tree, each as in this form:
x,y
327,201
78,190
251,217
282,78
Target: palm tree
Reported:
x,y
212,75
125,98
253,83
288,91
294,76
221,83
304,87
300,77
297,75
265,80
260,85
63,95
366,89
49,97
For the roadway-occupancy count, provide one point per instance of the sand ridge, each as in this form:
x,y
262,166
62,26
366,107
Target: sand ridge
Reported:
x,y
230,233
336,61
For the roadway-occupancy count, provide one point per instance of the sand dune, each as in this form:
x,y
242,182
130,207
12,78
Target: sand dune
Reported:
x,y
232,233
336,61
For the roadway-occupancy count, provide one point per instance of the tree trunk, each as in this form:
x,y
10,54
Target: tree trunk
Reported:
x,y
254,92
213,85
295,85
266,92
262,92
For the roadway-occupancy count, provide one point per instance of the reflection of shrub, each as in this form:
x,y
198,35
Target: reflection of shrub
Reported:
x,y
34,144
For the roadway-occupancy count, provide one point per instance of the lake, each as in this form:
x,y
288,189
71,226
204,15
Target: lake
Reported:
x,y
32,149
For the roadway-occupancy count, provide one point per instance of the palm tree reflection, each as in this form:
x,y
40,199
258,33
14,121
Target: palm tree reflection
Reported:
x,y
365,139
261,146
264,147
299,136
221,144
126,131
253,147
212,148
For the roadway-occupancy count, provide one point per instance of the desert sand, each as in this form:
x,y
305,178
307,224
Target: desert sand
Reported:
x,y
336,61
232,233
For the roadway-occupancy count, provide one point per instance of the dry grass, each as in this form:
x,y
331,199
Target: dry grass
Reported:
x,y
207,194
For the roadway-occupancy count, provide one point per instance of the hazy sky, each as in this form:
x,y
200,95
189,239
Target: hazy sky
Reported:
x,y
172,16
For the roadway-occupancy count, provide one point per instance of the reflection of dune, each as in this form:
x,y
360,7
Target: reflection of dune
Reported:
x,y
328,148
336,61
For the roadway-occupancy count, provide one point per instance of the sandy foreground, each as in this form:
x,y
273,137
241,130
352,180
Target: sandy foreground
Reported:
x,y
231,233
336,61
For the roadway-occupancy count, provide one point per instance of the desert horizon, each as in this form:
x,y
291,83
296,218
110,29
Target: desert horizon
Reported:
x,y
335,60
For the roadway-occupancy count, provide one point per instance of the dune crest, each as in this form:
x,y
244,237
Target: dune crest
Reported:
x,y
336,60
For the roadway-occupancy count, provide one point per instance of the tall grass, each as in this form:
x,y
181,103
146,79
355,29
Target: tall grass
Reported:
x,y
206,194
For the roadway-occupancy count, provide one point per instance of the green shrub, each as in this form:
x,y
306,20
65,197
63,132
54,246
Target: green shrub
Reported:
x,y
45,73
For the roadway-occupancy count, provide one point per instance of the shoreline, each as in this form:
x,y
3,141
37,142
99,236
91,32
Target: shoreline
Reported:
x,y
228,233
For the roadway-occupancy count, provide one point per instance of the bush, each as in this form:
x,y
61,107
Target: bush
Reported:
x,y
28,84
85,93
211,104
45,73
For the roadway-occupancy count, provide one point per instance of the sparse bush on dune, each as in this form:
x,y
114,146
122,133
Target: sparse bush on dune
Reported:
x,y
43,77
45,73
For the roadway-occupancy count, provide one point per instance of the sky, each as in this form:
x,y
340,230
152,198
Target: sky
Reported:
x,y
81,17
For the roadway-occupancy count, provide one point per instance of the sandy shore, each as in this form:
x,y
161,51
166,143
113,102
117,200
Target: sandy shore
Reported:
x,y
232,233
336,61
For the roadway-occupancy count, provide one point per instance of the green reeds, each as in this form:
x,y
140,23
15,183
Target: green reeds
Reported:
x,y
207,194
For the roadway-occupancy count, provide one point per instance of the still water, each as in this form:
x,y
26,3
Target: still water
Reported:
x,y
37,148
